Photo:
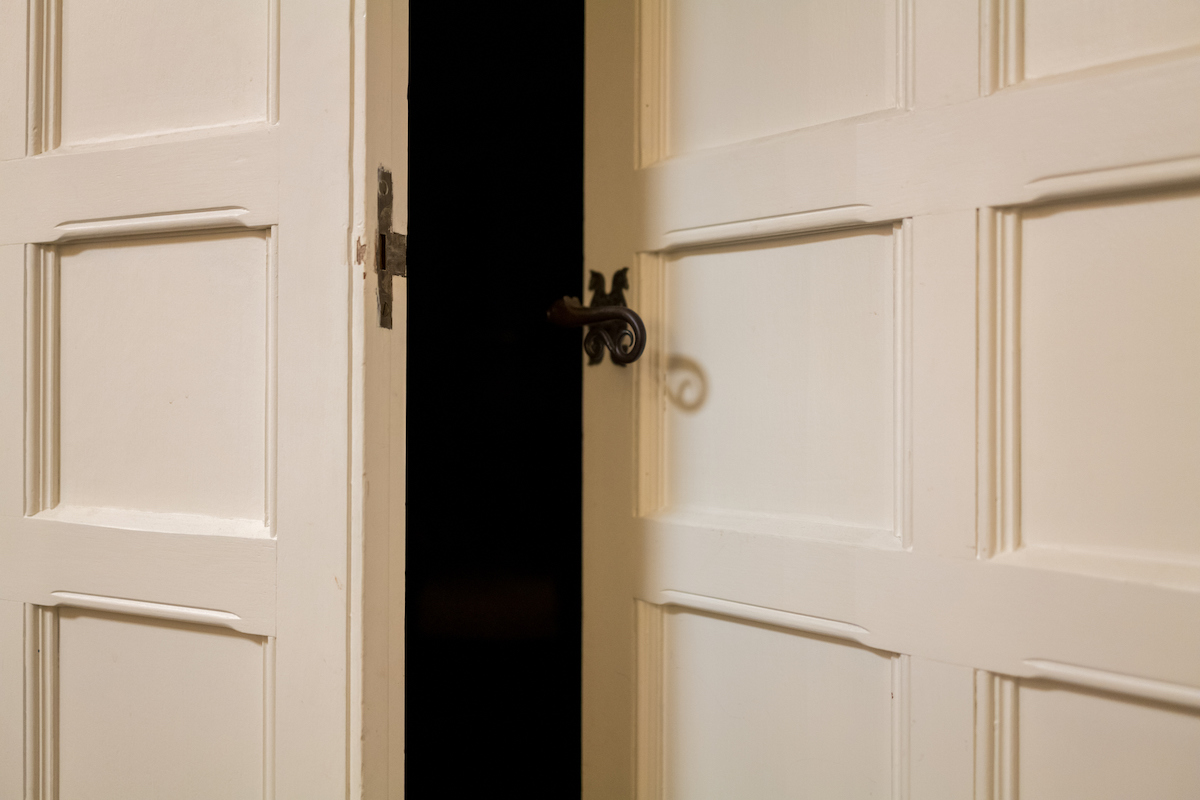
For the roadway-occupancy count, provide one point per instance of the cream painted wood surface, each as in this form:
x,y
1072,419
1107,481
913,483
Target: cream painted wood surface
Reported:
x,y
201,424
900,501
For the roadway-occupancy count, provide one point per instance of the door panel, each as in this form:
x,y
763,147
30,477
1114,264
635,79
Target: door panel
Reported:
x,y
212,65
919,381
797,375
162,378
1109,375
180,698
737,720
1065,35
1068,739
831,60
12,79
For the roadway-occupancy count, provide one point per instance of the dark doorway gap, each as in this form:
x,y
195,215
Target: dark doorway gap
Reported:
x,y
494,400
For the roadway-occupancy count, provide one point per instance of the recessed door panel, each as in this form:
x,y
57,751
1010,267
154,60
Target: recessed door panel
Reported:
x,y
151,709
12,79
788,347
754,711
163,375
1104,747
1110,374
138,67
1066,35
742,69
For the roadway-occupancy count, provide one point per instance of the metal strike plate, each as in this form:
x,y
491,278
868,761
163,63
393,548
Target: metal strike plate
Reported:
x,y
391,250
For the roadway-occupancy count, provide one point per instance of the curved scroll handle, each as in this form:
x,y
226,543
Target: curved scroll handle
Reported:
x,y
607,329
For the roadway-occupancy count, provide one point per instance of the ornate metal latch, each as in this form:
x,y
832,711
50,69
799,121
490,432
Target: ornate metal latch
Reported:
x,y
611,324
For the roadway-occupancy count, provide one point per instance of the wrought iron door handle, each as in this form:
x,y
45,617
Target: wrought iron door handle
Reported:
x,y
607,329
610,322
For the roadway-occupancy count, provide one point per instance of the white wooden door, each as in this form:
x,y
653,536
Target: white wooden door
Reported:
x,y
903,500
185,328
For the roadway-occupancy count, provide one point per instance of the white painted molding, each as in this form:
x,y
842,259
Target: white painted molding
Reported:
x,y
792,526
143,608
41,378
998,389
1116,683
649,731
155,521
902,381
134,187
174,222
906,51
995,737
273,62
269,691
901,727
1157,174
43,76
41,703
271,423
767,227
653,88
1012,43
650,379
767,616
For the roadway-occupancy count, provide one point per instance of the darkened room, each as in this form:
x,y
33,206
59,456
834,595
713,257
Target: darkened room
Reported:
x,y
493,520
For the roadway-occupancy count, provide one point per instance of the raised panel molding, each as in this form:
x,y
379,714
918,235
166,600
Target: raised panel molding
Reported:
x,y
653,74
649,726
996,776
901,726
1001,44
653,391
1008,740
902,270
41,379
997,528
1006,400
43,436
43,76
41,703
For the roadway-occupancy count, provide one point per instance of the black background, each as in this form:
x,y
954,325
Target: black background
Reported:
x,y
494,399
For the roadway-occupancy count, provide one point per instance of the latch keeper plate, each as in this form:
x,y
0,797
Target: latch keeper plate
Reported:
x,y
391,250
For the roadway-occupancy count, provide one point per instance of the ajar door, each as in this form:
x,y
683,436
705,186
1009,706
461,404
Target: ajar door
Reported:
x,y
181,520
903,498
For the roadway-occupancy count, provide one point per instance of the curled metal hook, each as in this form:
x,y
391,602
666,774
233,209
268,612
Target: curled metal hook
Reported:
x,y
606,329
